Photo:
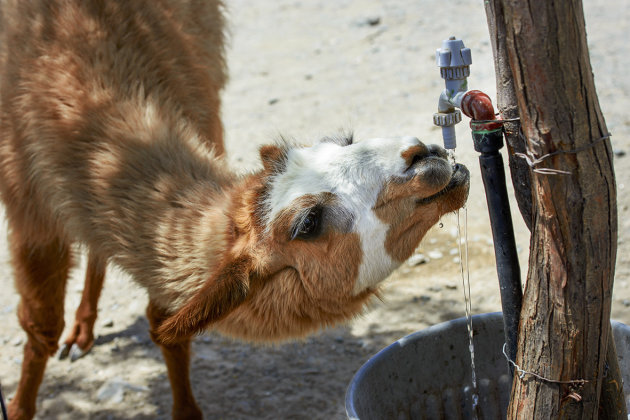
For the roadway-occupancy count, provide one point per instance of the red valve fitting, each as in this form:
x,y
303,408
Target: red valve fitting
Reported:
x,y
478,106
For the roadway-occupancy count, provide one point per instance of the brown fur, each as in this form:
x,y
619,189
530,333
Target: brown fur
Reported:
x,y
111,137
105,106
407,227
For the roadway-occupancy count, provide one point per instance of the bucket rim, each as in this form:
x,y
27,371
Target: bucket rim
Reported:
x,y
617,327
351,411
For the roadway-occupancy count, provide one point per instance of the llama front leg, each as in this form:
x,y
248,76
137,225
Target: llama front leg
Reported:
x,y
177,359
81,337
41,272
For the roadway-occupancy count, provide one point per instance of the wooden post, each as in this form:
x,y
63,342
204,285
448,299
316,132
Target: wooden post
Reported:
x,y
508,108
565,328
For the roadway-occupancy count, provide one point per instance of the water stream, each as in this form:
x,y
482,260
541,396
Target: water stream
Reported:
x,y
462,246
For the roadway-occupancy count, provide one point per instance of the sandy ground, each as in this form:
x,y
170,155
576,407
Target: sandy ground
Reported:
x,y
307,69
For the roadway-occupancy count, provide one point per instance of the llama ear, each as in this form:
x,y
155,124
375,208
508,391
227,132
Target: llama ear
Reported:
x,y
273,157
216,299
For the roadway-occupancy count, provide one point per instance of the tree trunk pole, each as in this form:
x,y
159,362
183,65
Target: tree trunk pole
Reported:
x,y
508,108
565,327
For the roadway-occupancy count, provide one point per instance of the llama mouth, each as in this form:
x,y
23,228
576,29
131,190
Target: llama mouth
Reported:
x,y
459,178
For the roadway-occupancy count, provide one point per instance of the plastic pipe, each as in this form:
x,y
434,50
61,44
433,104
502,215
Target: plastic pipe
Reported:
x,y
488,140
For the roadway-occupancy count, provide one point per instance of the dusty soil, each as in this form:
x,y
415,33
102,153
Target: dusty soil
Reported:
x,y
307,69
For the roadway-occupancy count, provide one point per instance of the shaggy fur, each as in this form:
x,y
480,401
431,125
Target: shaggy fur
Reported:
x,y
110,137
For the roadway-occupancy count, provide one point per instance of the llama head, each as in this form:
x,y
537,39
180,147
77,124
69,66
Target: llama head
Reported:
x,y
317,230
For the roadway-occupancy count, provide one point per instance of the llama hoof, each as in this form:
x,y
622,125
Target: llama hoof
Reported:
x,y
74,351
63,352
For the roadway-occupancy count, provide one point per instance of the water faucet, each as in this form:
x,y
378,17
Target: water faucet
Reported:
x,y
454,60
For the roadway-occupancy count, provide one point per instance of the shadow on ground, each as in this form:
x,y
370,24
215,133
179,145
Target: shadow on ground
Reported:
x,y
230,379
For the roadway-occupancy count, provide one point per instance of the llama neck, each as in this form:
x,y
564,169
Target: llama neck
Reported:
x,y
193,240
161,213
189,241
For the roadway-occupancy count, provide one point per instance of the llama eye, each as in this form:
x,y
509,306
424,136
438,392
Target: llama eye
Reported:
x,y
309,225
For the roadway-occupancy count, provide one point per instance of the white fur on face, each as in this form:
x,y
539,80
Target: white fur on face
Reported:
x,y
356,174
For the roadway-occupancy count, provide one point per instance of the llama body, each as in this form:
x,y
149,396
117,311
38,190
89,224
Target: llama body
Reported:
x,y
113,116
110,136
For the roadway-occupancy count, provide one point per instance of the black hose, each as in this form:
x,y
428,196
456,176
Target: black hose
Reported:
x,y
5,416
488,143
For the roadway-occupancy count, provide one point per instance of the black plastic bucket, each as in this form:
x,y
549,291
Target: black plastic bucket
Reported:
x,y
427,374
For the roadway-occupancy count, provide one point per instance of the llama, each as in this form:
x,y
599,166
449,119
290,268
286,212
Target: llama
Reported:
x,y
110,136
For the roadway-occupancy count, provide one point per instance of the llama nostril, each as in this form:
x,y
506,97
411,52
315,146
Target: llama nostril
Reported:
x,y
415,159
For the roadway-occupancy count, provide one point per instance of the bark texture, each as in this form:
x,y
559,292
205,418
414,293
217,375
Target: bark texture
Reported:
x,y
564,330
